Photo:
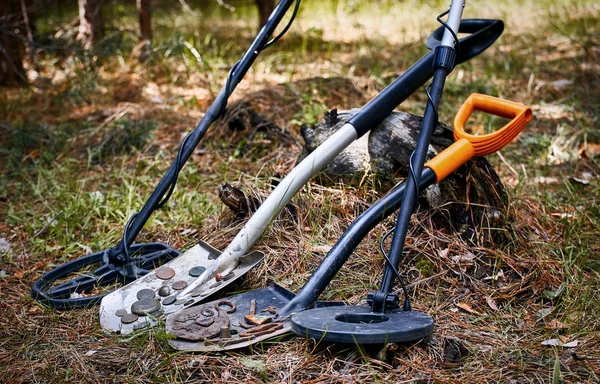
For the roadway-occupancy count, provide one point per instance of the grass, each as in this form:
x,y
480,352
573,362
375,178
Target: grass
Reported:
x,y
82,149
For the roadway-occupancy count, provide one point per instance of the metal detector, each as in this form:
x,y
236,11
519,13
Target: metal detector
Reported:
x,y
127,261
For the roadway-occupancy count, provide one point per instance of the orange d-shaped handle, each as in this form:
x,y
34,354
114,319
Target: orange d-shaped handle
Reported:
x,y
468,145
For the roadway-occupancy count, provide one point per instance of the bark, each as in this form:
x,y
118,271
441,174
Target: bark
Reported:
x,y
12,37
144,11
90,22
265,7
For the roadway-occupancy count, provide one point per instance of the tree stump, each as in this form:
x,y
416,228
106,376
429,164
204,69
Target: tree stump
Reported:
x,y
473,196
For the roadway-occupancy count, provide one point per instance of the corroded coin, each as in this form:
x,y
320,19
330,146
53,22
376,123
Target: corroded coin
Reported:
x,y
229,276
129,318
179,301
164,291
169,300
165,273
145,294
197,271
179,285
140,326
143,307
121,312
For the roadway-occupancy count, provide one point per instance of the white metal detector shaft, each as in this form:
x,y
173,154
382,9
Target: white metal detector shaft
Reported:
x,y
274,203
454,18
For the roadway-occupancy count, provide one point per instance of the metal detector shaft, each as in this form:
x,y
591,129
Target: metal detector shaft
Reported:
x,y
444,63
214,111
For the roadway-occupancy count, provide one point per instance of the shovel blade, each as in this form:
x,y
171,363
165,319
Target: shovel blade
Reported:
x,y
252,306
201,255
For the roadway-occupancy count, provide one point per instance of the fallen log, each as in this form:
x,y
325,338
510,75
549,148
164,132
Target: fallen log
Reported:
x,y
471,197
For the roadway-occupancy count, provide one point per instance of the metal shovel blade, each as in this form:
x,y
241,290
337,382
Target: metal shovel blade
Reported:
x,y
142,302
234,322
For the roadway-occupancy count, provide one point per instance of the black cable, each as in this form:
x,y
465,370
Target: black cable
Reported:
x,y
454,36
406,306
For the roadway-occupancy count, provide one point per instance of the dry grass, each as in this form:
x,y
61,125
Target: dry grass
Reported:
x,y
491,316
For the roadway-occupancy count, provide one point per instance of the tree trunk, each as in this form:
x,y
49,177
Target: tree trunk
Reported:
x,y
90,22
12,36
144,11
265,7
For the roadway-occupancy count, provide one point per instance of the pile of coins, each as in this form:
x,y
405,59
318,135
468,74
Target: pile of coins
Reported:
x,y
149,304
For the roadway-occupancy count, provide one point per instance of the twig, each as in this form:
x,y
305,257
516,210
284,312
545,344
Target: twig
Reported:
x,y
30,49
187,8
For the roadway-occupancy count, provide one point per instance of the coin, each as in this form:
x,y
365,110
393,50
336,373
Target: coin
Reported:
x,y
179,285
215,285
129,318
140,326
189,302
169,300
165,273
145,294
157,314
179,301
198,293
121,312
143,307
229,276
197,271
164,291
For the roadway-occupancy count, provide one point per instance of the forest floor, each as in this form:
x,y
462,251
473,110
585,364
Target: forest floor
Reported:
x,y
82,148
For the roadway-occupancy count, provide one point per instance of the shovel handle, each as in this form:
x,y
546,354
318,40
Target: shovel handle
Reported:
x,y
468,145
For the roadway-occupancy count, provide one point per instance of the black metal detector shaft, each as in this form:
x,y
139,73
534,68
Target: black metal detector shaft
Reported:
x,y
444,62
115,263
216,109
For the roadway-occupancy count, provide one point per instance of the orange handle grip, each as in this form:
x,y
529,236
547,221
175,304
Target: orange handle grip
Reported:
x,y
468,145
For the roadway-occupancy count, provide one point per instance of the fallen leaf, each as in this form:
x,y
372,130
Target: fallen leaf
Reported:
x,y
560,343
466,259
319,248
560,83
90,352
497,276
491,303
468,308
552,342
589,150
189,232
555,324
4,245
443,253
562,215
543,313
546,180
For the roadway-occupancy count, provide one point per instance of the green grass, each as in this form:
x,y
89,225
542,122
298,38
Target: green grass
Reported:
x,y
84,146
